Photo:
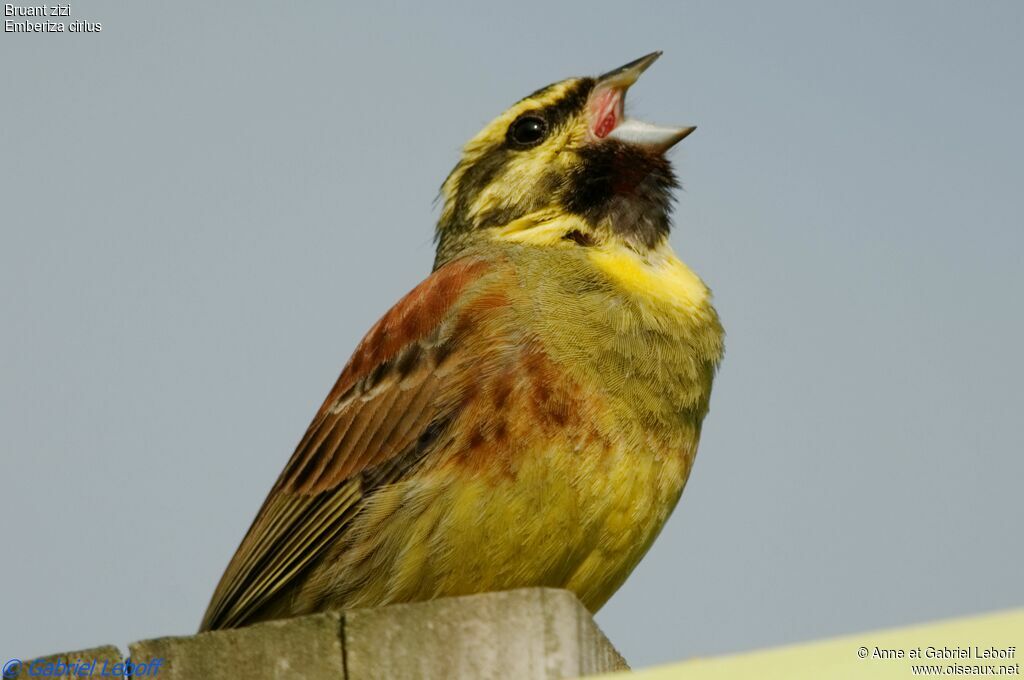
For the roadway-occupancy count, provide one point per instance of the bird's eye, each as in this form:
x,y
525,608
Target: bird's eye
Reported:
x,y
527,131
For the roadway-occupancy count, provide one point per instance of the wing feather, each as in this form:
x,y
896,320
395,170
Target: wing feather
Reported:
x,y
389,400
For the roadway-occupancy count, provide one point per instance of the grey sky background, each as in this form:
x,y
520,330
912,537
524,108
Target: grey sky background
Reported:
x,y
204,208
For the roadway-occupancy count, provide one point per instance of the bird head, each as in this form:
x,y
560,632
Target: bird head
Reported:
x,y
564,159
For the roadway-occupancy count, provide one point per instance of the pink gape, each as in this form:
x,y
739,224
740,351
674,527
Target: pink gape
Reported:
x,y
606,109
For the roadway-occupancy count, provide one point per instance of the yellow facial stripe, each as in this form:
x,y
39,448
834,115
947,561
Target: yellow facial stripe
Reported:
x,y
540,229
658,275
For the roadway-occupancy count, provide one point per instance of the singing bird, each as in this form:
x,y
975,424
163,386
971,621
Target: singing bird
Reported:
x,y
527,415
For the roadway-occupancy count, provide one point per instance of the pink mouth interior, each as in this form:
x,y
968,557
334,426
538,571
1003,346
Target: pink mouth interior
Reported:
x,y
605,111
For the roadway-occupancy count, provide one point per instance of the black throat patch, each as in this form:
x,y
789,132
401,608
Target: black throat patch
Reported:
x,y
624,188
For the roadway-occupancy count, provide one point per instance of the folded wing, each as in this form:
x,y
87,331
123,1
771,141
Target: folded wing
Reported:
x,y
400,391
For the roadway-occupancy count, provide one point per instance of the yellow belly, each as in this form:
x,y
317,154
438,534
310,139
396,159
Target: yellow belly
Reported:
x,y
579,520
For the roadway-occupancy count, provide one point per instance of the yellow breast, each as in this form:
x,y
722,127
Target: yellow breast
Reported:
x,y
657,275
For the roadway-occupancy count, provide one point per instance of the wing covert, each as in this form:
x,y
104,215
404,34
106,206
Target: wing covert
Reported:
x,y
402,386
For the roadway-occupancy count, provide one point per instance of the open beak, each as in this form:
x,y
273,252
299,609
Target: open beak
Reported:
x,y
606,109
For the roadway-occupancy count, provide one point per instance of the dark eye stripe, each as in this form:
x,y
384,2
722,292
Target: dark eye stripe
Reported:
x,y
574,99
491,164
478,176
